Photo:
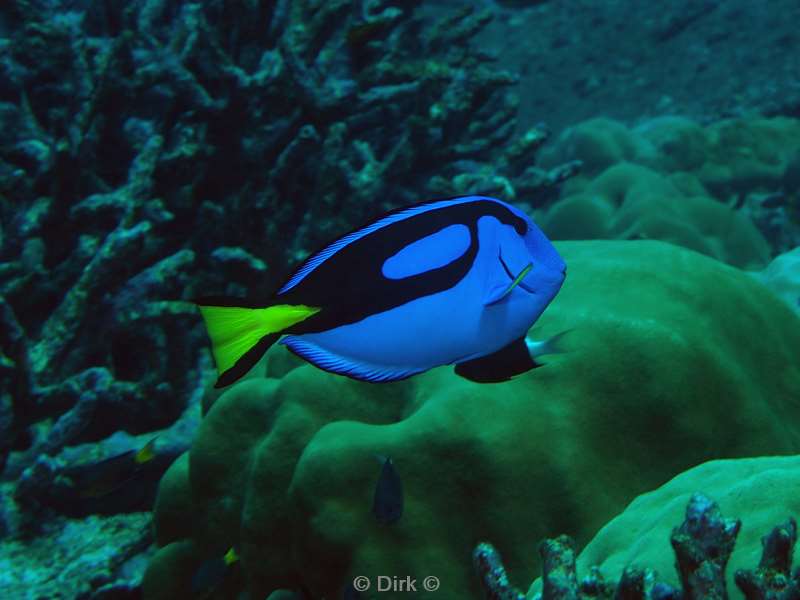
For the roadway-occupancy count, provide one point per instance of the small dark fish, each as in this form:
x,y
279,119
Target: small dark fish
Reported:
x,y
773,200
211,574
106,476
387,503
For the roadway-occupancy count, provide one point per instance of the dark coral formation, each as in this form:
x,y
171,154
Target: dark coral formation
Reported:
x,y
493,575
772,579
151,151
703,543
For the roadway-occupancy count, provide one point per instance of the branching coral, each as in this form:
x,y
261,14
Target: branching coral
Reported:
x,y
703,543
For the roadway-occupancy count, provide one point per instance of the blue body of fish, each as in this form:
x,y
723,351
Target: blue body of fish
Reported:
x,y
457,281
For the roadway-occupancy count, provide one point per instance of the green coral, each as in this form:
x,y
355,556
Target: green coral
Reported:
x,y
782,276
598,143
674,359
629,201
701,187
743,154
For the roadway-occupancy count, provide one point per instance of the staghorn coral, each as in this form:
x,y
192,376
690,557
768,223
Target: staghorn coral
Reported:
x,y
153,150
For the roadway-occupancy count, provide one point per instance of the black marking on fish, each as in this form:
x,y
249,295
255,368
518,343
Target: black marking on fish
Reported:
x,y
511,276
349,285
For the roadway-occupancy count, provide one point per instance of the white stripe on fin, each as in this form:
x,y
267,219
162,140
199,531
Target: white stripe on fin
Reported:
x,y
317,259
342,366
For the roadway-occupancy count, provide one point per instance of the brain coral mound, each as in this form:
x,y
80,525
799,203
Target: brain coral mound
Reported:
x,y
672,179
728,156
598,143
762,492
629,201
674,359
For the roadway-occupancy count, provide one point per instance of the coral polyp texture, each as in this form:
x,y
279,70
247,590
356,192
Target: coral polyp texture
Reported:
x,y
283,468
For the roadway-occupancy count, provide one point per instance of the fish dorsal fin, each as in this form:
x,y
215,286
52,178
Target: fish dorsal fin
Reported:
x,y
318,258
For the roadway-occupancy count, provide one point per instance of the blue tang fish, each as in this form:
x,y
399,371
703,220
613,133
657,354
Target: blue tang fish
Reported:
x,y
456,281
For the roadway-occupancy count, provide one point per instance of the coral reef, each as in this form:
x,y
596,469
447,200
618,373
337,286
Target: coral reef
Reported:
x,y
54,483
703,545
628,201
760,491
492,574
153,151
95,558
727,190
288,462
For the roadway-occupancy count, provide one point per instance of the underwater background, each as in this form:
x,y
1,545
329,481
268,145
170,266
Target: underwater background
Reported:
x,y
154,151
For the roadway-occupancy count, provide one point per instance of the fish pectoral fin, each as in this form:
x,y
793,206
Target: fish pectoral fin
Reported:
x,y
496,294
503,289
513,359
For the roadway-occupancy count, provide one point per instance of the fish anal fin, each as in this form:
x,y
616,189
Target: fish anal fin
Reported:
x,y
328,361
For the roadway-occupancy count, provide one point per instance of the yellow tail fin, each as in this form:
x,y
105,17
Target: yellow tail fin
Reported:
x,y
238,333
